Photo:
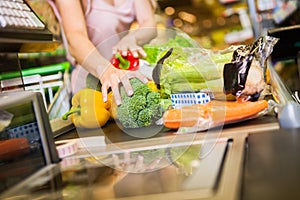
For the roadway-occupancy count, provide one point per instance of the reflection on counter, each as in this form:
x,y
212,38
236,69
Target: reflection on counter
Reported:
x,y
134,172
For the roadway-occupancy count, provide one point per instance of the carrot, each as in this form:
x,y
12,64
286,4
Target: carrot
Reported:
x,y
187,116
14,147
217,111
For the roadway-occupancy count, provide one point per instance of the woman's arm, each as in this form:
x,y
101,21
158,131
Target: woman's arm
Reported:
x,y
145,32
146,20
80,47
86,54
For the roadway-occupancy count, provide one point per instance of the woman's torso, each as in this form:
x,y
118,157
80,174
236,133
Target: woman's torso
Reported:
x,y
106,20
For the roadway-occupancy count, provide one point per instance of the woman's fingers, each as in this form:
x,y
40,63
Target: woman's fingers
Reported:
x,y
116,161
139,164
127,86
116,92
134,49
115,78
104,94
112,82
141,52
141,77
153,164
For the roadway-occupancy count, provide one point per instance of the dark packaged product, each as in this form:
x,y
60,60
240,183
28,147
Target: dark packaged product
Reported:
x,y
245,76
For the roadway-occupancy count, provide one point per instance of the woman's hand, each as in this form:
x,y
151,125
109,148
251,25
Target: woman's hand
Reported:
x,y
113,78
110,76
129,43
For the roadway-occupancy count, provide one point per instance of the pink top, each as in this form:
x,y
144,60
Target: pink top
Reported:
x,y
104,22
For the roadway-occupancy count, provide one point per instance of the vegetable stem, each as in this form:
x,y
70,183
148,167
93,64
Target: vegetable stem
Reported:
x,y
124,64
74,110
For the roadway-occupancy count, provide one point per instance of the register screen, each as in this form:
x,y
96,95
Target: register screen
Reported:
x,y
21,152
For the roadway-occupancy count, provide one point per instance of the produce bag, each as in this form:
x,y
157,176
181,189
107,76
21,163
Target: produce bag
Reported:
x,y
245,75
191,70
222,74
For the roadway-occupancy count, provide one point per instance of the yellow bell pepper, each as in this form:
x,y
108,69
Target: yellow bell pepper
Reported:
x,y
112,106
152,86
88,109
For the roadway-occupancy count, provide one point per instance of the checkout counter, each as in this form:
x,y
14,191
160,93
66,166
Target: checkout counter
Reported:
x,y
253,159
164,166
245,160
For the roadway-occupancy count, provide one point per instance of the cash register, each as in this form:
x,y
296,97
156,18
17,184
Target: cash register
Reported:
x,y
21,30
26,141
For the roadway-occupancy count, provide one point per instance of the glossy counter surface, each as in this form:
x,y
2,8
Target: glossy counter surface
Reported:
x,y
162,166
113,134
272,165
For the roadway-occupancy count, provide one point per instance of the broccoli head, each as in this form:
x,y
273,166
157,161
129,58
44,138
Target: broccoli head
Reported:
x,y
141,109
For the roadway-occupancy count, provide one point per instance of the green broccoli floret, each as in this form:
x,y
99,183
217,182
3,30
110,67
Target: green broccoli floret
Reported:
x,y
148,115
139,87
153,98
141,109
145,117
129,110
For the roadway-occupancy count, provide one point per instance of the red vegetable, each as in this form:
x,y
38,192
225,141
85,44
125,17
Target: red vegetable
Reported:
x,y
128,62
13,148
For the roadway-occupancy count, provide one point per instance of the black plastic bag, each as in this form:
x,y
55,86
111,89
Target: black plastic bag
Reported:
x,y
245,76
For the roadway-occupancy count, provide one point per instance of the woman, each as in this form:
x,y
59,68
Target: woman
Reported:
x,y
95,29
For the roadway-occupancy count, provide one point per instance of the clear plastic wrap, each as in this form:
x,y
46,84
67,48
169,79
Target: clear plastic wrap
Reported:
x,y
191,70
245,75
238,70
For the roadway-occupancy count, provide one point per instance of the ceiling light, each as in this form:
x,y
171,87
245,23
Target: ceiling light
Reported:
x,y
177,22
188,17
169,10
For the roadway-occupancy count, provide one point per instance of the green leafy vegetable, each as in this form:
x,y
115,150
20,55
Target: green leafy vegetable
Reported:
x,y
154,52
141,109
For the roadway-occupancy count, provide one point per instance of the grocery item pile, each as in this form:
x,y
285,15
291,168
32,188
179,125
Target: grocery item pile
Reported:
x,y
196,87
